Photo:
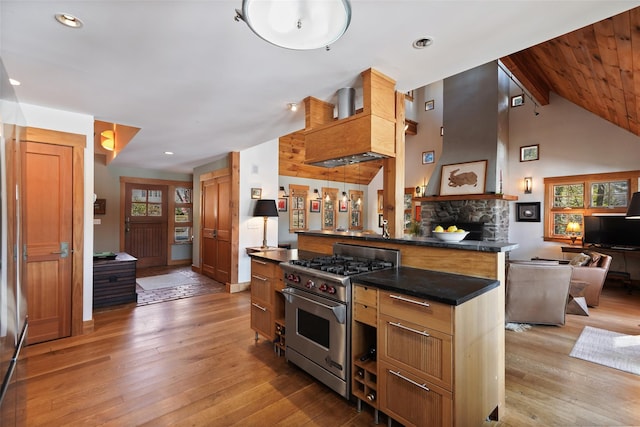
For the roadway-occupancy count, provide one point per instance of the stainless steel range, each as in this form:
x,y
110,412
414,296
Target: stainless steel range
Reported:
x,y
318,309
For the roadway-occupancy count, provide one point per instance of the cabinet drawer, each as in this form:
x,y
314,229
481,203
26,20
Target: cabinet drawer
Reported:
x,y
262,320
263,268
433,315
365,295
411,400
261,289
365,314
422,351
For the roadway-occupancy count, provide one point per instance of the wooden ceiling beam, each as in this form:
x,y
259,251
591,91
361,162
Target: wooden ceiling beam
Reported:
x,y
529,75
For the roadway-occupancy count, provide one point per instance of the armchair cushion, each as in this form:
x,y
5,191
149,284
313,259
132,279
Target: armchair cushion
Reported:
x,y
537,293
580,259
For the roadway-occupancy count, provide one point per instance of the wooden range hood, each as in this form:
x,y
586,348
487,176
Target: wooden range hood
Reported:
x,y
366,135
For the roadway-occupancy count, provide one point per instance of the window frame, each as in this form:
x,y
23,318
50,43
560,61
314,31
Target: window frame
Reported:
x,y
632,178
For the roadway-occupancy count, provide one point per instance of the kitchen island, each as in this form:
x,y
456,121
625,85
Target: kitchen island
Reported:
x,y
475,327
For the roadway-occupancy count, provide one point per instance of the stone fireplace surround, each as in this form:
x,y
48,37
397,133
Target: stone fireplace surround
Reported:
x,y
492,212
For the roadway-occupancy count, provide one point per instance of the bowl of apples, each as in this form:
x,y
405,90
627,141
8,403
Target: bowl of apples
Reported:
x,y
452,234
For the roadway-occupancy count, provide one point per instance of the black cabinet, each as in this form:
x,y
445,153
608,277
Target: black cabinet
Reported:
x,y
114,280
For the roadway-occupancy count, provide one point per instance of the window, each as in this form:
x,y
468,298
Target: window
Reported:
x,y
298,207
571,198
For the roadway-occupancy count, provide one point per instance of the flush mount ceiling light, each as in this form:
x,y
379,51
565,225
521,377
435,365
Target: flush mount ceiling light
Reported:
x,y
297,24
292,106
68,20
422,42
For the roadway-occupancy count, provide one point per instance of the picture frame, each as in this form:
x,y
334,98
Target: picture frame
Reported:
x,y
528,211
256,193
100,207
314,205
343,206
517,100
429,105
463,178
282,205
530,153
428,157
182,195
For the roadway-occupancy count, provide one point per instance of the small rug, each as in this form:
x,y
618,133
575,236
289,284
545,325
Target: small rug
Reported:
x,y
164,281
608,348
178,292
517,327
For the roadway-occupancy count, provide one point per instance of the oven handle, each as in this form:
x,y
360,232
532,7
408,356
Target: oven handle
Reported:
x,y
339,311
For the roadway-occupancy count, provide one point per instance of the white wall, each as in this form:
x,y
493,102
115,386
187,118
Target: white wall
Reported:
x,y
258,169
572,141
65,121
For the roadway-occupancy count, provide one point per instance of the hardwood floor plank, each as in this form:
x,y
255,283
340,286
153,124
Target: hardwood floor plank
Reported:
x,y
194,362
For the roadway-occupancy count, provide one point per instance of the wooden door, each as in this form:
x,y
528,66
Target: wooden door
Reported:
x,y
145,223
216,229
48,225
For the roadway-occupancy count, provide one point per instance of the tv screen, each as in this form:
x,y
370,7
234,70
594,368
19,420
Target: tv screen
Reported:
x,y
608,231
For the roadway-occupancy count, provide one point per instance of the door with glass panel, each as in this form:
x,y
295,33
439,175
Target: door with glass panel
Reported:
x,y
145,223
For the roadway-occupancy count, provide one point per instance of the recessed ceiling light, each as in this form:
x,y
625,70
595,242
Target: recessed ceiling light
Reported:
x,y
68,20
422,42
169,153
14,82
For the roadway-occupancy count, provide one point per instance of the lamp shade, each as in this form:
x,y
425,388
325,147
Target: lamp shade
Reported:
x,y
297,24
573,227
634,207
265,207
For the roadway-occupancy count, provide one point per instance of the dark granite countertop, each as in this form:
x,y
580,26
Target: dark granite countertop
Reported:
x,y
447,288
469,245
284,255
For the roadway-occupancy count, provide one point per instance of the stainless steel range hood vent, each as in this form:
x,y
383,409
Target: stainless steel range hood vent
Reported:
x,y
349,160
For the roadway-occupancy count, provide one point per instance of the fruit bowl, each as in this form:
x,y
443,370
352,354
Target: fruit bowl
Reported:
x,y
450,236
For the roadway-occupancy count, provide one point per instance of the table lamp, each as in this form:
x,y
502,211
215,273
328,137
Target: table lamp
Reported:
x,y
573,228
265,208
634,207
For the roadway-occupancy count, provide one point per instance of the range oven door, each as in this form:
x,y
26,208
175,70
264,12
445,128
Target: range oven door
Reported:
x,y
317,330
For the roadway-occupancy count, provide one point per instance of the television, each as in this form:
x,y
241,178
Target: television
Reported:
x,y
611,231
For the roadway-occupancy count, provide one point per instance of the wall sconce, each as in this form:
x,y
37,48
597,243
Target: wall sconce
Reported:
x,y
108,140
528,184
317,193
572,229
418,191
344,196
282,193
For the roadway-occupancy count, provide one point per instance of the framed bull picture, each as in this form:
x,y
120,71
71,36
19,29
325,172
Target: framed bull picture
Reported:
x,y
463,178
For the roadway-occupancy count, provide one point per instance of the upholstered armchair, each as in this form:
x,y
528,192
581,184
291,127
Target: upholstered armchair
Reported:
x,y
537,292
593,273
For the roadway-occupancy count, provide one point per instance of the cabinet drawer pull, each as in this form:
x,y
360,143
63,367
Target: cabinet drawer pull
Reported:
x,y
406,328
264,279
257,306
399,375
260,262
412,301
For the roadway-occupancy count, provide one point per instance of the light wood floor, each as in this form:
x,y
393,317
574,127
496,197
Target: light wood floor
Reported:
x,y
194,362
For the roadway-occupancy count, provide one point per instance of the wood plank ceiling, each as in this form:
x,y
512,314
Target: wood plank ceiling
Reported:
x,y
596,67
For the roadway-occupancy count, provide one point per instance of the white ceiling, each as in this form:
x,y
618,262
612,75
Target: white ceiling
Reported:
x,y
200,84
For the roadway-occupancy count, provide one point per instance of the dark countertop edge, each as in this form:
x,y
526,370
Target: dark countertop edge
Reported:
x,y
468,245
423,291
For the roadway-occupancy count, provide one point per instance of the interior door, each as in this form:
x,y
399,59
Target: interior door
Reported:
x,y
216,229
48,208
145,223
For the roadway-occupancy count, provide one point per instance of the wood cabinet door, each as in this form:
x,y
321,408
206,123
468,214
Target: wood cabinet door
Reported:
x,y
48,225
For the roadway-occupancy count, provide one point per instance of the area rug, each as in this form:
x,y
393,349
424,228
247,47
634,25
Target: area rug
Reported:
x,y
170,280
178,292
608,348
517,327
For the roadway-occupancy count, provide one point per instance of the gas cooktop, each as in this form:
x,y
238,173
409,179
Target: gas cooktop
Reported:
x,y
343,265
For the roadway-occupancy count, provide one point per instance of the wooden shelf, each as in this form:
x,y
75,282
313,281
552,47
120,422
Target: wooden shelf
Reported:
x,y
466,197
